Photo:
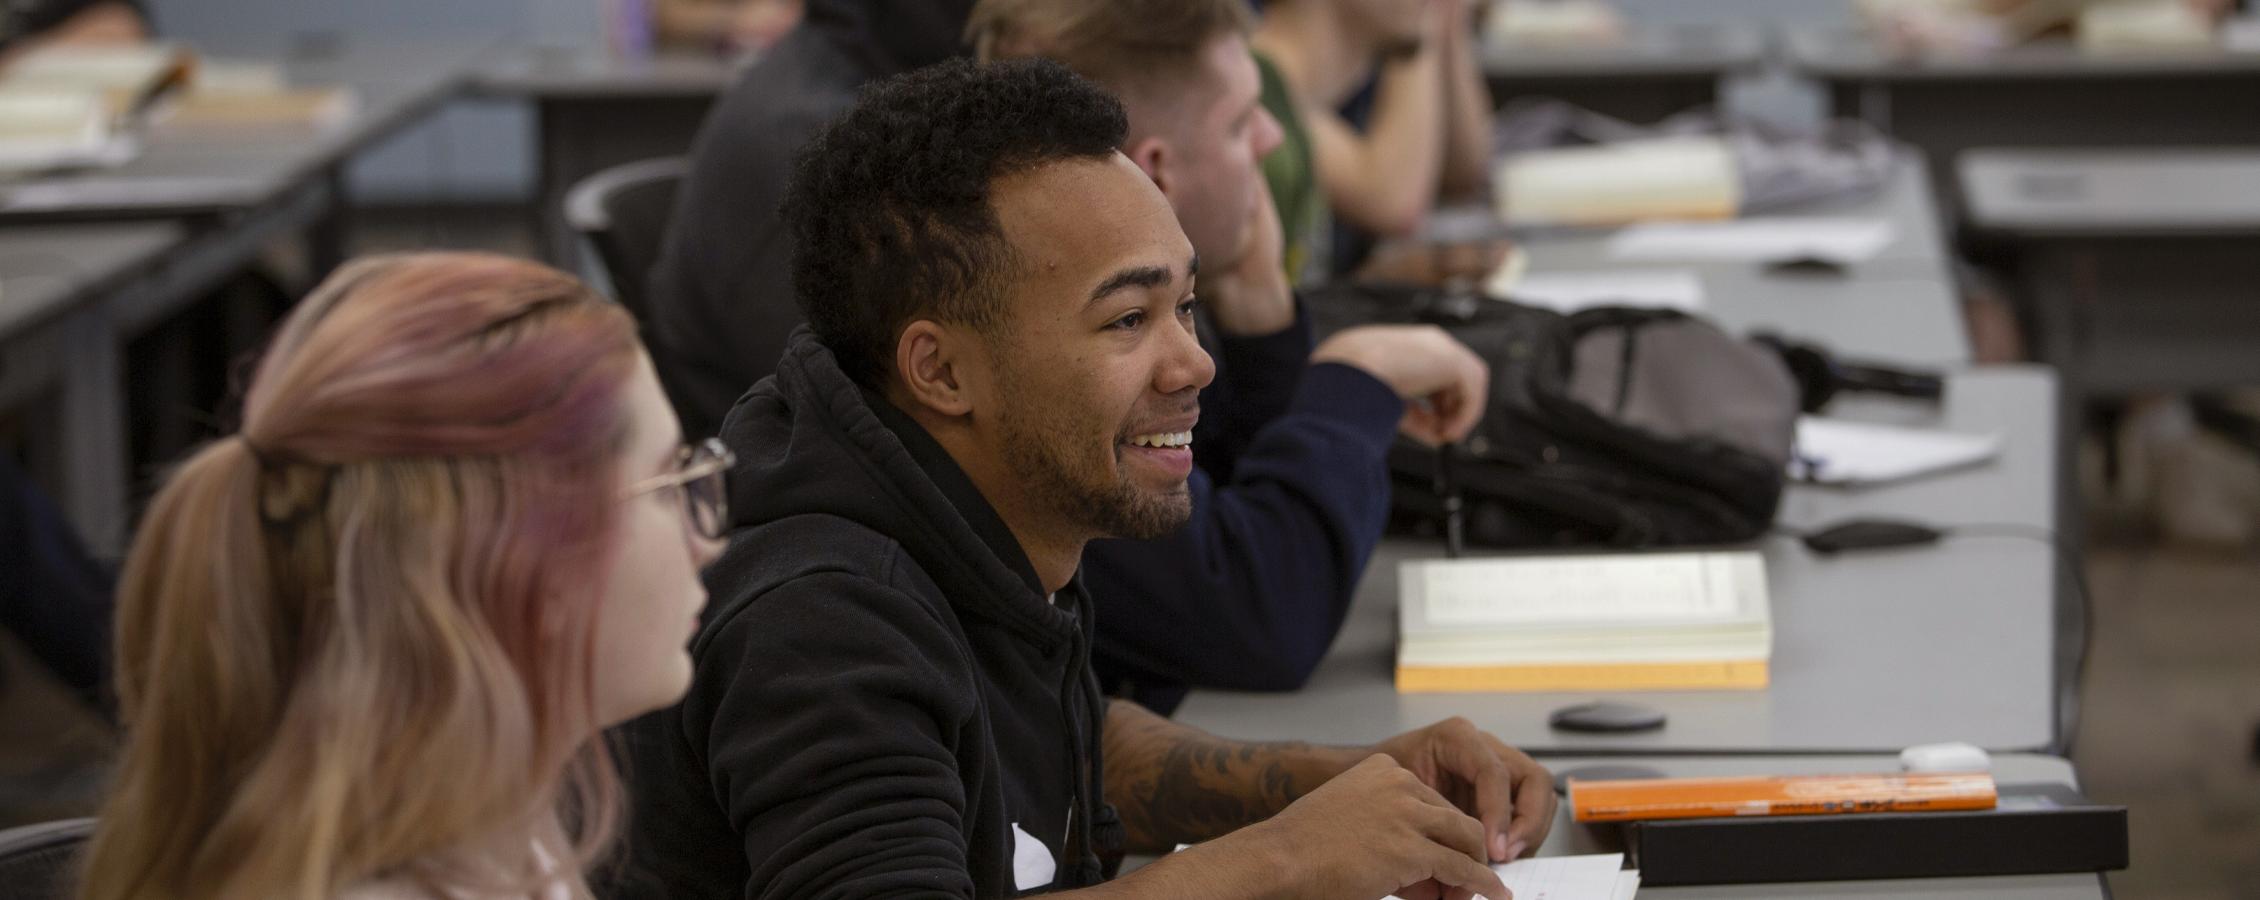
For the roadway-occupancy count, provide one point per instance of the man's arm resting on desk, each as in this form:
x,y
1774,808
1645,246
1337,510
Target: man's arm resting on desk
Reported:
x,y
1285,817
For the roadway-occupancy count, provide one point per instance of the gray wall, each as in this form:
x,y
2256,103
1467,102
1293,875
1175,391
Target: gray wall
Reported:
x,y
483,151
471,151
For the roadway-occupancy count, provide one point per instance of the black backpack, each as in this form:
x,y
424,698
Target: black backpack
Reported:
x,y
1610,426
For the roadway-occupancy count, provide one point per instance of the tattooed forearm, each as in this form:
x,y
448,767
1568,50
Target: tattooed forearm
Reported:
x,y
1177,784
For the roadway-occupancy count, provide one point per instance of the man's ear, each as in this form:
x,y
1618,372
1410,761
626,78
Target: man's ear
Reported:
x,y
928,360
1154,156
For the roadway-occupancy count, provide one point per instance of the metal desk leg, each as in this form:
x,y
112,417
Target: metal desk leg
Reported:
x,y
326,240
95,458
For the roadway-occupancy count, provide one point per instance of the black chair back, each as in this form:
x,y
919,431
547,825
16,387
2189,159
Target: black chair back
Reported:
x,y
40,862
620,215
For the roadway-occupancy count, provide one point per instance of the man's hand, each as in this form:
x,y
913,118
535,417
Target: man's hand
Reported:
x,y
1251,296
1503,787
1444,383
1377,829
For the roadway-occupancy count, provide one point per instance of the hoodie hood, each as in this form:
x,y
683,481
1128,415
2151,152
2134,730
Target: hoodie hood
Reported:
x,y
893,36
810,441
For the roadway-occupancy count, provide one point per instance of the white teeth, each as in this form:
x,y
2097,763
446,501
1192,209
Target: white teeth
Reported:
x,y
1165,439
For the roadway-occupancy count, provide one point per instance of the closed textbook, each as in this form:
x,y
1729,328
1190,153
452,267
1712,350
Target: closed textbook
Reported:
x,y
1593,622
1794,795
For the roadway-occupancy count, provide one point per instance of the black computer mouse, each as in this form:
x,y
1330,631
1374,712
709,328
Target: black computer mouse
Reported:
x,y
1870,534
1606,717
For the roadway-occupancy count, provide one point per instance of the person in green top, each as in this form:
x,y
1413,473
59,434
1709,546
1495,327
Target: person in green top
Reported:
x,y
1429,138
1293,179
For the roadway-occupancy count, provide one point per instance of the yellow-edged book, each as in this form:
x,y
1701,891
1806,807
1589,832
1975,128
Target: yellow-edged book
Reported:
x,y
1591,622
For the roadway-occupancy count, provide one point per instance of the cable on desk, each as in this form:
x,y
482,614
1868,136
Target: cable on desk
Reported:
x,y
1881,533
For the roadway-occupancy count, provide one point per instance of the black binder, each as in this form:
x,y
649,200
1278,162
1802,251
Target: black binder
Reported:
x,y
2035,829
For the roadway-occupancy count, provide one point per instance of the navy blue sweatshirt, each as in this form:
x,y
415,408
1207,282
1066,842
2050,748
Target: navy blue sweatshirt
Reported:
x,y
884,701
1290,495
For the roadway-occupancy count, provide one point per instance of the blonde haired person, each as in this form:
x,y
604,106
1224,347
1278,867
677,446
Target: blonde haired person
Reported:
x,y
367,645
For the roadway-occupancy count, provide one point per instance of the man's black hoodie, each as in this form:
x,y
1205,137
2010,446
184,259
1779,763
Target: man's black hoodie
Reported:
x,y
885,703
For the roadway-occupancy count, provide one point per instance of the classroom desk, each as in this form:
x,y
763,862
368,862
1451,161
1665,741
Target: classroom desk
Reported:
x,y
1649,74
261,183
1900,307
2135,266
1570,838
2046,94
228,196
1871,652
593,110
57,340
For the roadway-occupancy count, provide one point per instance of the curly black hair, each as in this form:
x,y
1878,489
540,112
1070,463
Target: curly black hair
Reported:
x,y
889,207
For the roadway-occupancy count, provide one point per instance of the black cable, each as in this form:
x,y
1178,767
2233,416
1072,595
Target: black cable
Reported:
x,y
2067,560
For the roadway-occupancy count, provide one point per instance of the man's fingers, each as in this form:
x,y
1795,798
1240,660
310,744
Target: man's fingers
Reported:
x,y
1534,799
1451,828
1465,874
1476,763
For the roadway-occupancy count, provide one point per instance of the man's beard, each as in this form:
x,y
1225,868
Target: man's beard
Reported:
x,y
1040,450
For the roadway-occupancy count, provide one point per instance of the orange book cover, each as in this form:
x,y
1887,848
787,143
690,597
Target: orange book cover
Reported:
x,y
1794,795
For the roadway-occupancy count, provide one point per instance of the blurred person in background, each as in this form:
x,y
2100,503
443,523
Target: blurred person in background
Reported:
x,y
726,27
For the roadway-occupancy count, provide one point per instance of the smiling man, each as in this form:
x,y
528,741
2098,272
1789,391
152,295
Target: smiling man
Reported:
x,y
893,694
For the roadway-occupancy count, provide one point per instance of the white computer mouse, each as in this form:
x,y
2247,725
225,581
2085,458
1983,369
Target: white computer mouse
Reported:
x,y
1948,757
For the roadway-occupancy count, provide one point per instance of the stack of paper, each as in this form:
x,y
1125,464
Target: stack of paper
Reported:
x,y
2144,25
1568,292
125,78
1842,241
1831,451
68,106
1646,621
1553,22
1692,177
1600,876
232,95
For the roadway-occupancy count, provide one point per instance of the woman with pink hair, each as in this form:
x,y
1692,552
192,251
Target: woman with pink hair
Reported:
x,y
368,645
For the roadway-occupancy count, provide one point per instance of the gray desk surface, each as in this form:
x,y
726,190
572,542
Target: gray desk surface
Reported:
x,y
560,73
1871,653
45,272
1691,51
1570,838
182,175
1900,307
1848,55
2103,193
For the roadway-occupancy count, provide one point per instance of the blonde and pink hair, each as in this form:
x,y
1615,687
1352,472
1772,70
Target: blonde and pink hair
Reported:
x,y
354,640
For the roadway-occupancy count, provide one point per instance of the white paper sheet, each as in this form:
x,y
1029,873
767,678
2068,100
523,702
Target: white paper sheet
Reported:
x,y
1569,292
1831,451
1599,876
1843,241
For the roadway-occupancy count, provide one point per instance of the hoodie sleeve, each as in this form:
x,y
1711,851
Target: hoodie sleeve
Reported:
x,y
1251,592
830,709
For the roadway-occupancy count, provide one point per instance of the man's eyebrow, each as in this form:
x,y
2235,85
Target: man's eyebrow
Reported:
x,y
1140,277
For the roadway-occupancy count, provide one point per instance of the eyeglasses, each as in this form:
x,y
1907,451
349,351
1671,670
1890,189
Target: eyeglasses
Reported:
x,y
702,472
